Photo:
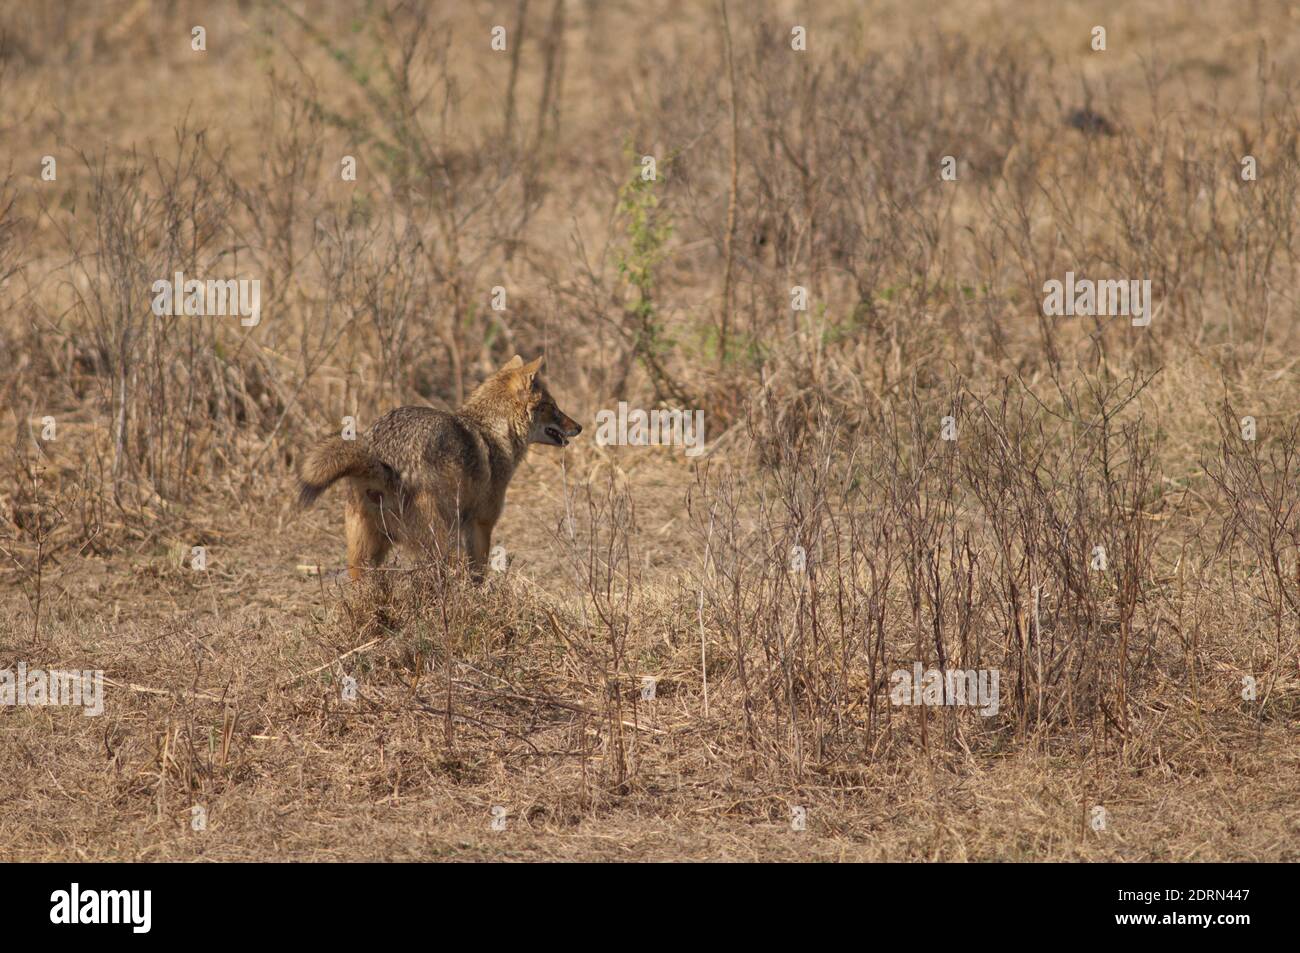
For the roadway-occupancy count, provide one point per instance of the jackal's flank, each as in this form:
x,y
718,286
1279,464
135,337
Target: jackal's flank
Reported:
x,y
432,481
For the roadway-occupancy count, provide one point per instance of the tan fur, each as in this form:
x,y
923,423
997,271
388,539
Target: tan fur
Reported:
x,y
432,481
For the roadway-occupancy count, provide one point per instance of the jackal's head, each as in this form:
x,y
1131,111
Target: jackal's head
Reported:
x,y
547,424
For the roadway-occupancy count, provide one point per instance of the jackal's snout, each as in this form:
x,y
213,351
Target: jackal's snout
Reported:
x,y
557,427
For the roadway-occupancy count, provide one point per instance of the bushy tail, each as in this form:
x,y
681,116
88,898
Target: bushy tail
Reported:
x,y
335,458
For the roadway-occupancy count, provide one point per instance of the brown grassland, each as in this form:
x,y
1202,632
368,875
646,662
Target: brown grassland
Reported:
x,y
1121,688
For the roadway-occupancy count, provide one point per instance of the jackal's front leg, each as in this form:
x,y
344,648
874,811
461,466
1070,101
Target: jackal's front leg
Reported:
x,y
478,540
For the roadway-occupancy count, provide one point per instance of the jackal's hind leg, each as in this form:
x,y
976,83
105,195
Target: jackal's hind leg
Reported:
x,y
368,543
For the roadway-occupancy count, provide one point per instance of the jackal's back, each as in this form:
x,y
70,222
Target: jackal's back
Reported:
x,y
426,446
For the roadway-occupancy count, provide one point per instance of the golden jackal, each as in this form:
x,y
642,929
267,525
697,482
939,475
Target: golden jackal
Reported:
x,y
433,481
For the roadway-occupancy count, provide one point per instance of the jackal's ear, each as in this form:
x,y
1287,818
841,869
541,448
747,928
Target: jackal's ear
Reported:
x,y
513,363
528,374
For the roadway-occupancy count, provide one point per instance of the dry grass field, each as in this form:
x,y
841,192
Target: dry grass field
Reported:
x,y
840,260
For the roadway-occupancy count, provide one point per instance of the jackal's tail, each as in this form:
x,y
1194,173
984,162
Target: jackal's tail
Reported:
x,y
334,459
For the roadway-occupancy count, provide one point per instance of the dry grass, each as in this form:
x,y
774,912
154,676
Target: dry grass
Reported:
x,y
1119,689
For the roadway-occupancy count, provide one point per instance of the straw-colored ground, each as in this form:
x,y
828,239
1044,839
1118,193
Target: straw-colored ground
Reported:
x,y
1121,689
